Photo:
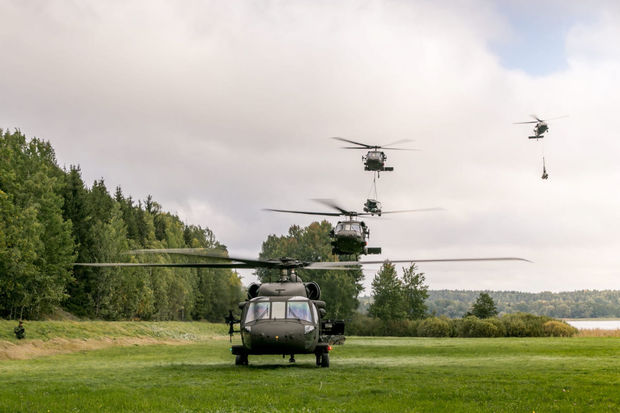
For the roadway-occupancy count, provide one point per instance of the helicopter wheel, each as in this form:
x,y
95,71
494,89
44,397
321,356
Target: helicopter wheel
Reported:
x,y
325,360
241,360
318,359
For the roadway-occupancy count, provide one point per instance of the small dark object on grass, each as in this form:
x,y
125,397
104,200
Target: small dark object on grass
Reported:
x,y
20,331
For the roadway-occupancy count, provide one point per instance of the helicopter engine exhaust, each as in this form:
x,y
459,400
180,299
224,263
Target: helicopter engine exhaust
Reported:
x,y
253,290
313,290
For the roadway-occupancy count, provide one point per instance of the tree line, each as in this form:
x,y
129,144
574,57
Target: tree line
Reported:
x,y
49,219
571,304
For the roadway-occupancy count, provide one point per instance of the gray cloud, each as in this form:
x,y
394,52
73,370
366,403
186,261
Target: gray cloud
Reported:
x,y
220,109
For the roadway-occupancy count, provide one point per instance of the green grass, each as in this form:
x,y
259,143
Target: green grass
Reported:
x,y
366,375
46,330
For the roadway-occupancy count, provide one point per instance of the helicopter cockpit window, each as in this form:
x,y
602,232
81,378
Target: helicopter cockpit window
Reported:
x,y
356,227
299,310
258,310
277,309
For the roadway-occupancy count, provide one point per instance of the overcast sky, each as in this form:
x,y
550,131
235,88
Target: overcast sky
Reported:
x,y
219,109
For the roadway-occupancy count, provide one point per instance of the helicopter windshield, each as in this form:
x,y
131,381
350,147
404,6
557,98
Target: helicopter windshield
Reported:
x,y
260,310
374,155
299,310
349,226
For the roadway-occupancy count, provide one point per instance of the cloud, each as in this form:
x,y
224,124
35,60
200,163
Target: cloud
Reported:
x,y
219,109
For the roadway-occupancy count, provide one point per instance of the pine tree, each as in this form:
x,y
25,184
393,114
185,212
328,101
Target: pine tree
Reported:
x,y
388,295
484,307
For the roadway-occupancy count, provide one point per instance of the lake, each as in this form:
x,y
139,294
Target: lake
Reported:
x,y
595,324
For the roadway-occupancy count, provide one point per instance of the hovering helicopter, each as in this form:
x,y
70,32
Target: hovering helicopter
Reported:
x,y
541,126
540,129
349,236
375,159
284,317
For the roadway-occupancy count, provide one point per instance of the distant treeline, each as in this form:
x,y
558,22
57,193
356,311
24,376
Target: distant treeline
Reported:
x,y
49,219
508,325
573,304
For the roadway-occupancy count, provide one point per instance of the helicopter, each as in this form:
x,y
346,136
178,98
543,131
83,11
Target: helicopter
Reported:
x,y
283,317
541,126
349,237
540,129
375,159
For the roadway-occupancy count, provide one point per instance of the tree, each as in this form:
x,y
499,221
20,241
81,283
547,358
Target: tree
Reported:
x,y
484,307
339,289
389,299
415,293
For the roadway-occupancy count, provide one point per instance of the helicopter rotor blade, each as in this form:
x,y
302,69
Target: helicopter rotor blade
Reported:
x,y
165,265
400,211
332,204
199,252
400,149
330,266
395,143
521,123
557,117
353,142
352,263
330,214
537,118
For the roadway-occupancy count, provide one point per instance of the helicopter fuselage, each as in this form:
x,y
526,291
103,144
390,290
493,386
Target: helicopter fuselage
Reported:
x,y
283,318
349,238
375,161
539,130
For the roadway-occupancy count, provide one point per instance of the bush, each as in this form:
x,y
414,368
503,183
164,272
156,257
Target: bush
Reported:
x,y
555,328
362,325
524,325
434,327
472,326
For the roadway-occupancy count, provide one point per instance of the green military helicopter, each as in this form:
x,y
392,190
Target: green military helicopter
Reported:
x,y
349,237
375,159
283,317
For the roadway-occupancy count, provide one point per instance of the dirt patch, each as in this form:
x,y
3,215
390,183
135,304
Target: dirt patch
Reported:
x,y
38,348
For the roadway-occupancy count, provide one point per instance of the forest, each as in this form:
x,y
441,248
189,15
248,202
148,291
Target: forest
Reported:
x,y
571,304
50,219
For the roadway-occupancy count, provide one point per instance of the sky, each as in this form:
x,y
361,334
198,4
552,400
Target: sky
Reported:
x,y
219,109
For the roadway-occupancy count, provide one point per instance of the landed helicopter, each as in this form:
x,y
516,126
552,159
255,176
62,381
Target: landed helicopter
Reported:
x,y
541,126
284,317
349,237
375,159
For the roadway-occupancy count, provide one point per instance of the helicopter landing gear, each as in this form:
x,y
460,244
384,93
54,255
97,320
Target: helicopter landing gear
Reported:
x,y
241,360
322,359
292,359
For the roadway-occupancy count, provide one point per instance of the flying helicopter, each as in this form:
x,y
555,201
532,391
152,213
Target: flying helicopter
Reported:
x,y
349,237
283,317
541,126
540,129
375,159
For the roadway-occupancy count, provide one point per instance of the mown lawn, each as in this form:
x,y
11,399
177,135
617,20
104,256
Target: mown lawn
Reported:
x,y
366,375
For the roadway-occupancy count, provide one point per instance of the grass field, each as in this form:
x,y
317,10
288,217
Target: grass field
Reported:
x,y
366,375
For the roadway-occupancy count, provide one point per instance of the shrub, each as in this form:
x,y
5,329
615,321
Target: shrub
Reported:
x,y
362,325
434,327
555,328
524,325
472,326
